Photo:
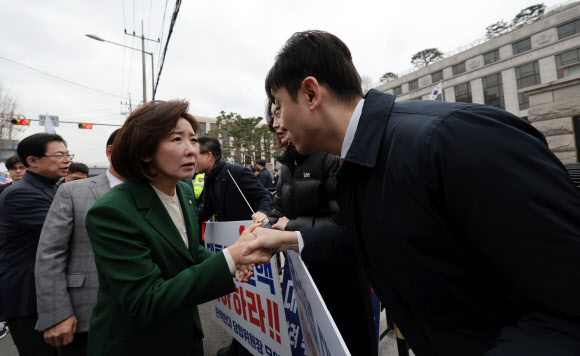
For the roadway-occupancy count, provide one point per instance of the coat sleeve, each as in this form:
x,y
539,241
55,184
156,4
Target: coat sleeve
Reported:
x,y
329,245
258,196
124,261
52,297
515,207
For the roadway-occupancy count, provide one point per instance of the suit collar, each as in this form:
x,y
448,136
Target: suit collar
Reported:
x,y
99,185
158,217
373,122
47,185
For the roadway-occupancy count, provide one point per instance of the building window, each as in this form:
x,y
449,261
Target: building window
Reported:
x,y
569,29
226,138
414,85
491,57
526,76
212,126
463,93
417,98
458,68
522,46
437,76
564,60
493,90
398,90
202,128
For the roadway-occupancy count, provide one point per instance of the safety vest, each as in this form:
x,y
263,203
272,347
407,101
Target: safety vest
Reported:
x,y
198,185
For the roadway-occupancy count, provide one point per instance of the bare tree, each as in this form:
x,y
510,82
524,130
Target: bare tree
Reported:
x,y
366,83
425,57
8,107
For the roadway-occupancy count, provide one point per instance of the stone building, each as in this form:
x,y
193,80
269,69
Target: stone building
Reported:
x,y
532,72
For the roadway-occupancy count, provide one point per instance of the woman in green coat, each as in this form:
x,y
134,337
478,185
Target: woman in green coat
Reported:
x,y
152,271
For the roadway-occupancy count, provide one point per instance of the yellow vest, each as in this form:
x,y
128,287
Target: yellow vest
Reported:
x,y
198,185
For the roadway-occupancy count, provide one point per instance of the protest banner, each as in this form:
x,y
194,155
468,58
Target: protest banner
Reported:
x,y
321,336
254,313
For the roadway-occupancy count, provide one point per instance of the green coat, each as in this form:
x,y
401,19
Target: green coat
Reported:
x,y
149,283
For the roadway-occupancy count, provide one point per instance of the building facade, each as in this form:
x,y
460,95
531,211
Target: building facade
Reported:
x,y
532,72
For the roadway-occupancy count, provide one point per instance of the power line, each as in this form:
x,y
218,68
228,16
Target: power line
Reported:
x,y
173,19
162,30
59,78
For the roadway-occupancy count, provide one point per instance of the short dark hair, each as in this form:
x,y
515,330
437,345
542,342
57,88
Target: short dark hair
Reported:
x,y
276,170
270,122
321,55
210,144
140,136
78,167
12,161
112,137
261,162
35,146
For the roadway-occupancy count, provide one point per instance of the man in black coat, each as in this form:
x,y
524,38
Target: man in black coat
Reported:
x,y
23,209
264,175
466,223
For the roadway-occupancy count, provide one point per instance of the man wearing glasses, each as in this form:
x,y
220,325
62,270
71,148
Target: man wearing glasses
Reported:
x,y
23,209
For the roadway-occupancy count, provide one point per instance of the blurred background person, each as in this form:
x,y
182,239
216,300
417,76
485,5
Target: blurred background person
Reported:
x,y
23,209
16,170
264,175
152,271
76,171
305,198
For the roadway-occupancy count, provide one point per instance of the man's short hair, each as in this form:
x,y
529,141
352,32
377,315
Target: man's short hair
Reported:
x,y
78,167
318,54
35,146
210,144
261,162
276,170
140,136
112,137
12,161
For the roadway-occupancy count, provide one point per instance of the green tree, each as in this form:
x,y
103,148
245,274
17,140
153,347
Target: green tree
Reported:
x,y
425,57
528,15
496,29
388,76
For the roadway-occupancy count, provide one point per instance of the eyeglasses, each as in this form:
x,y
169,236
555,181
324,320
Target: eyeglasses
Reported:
x,y
62,157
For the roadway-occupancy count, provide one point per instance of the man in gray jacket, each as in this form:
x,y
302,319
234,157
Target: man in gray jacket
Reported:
x,y
66,276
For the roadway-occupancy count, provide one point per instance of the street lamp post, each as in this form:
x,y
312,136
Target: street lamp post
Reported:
x,y
143,53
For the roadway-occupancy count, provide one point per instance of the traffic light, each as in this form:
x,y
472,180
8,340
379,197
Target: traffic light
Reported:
x,y
85,126
24,122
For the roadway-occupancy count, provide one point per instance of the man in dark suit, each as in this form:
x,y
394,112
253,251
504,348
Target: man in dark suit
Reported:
x,y
264,175
222,197
65,272
224,185
466,201
23,209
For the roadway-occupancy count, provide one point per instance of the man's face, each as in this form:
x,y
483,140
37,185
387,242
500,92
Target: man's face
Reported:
x,y
205,162
296,119
55,166
75,176
17,172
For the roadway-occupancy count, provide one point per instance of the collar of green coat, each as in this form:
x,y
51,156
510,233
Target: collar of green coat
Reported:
x,y
158,217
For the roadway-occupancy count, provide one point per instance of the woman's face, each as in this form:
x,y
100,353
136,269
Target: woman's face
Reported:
x,y
176,154
281,131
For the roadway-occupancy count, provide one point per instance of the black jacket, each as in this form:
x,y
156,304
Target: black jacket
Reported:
x,y
223,198
305,192
23,208
468,227
265,178
305,195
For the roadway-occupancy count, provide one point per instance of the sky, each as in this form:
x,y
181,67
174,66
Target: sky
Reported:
x,y
218,55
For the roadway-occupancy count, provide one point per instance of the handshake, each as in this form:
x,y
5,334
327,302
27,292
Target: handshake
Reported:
x,y
256,246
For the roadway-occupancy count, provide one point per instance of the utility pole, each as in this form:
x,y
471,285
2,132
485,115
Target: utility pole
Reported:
x,y
143,59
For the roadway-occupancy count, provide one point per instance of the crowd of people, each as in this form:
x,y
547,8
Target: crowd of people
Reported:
x,y
458,216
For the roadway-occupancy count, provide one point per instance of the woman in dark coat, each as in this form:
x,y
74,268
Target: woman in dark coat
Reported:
x,y
305,199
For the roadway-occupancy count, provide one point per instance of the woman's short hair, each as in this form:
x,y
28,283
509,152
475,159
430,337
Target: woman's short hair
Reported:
x,y
140,136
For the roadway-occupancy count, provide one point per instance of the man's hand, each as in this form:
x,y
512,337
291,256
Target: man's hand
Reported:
x,y
244,273
257,255
281,224
259,217
272,240
62,333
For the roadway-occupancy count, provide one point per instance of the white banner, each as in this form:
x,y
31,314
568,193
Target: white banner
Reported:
x,y
321,335
254,313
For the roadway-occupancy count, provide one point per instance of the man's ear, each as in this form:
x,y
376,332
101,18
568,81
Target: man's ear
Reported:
x,y
108,152
312,88
32,161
